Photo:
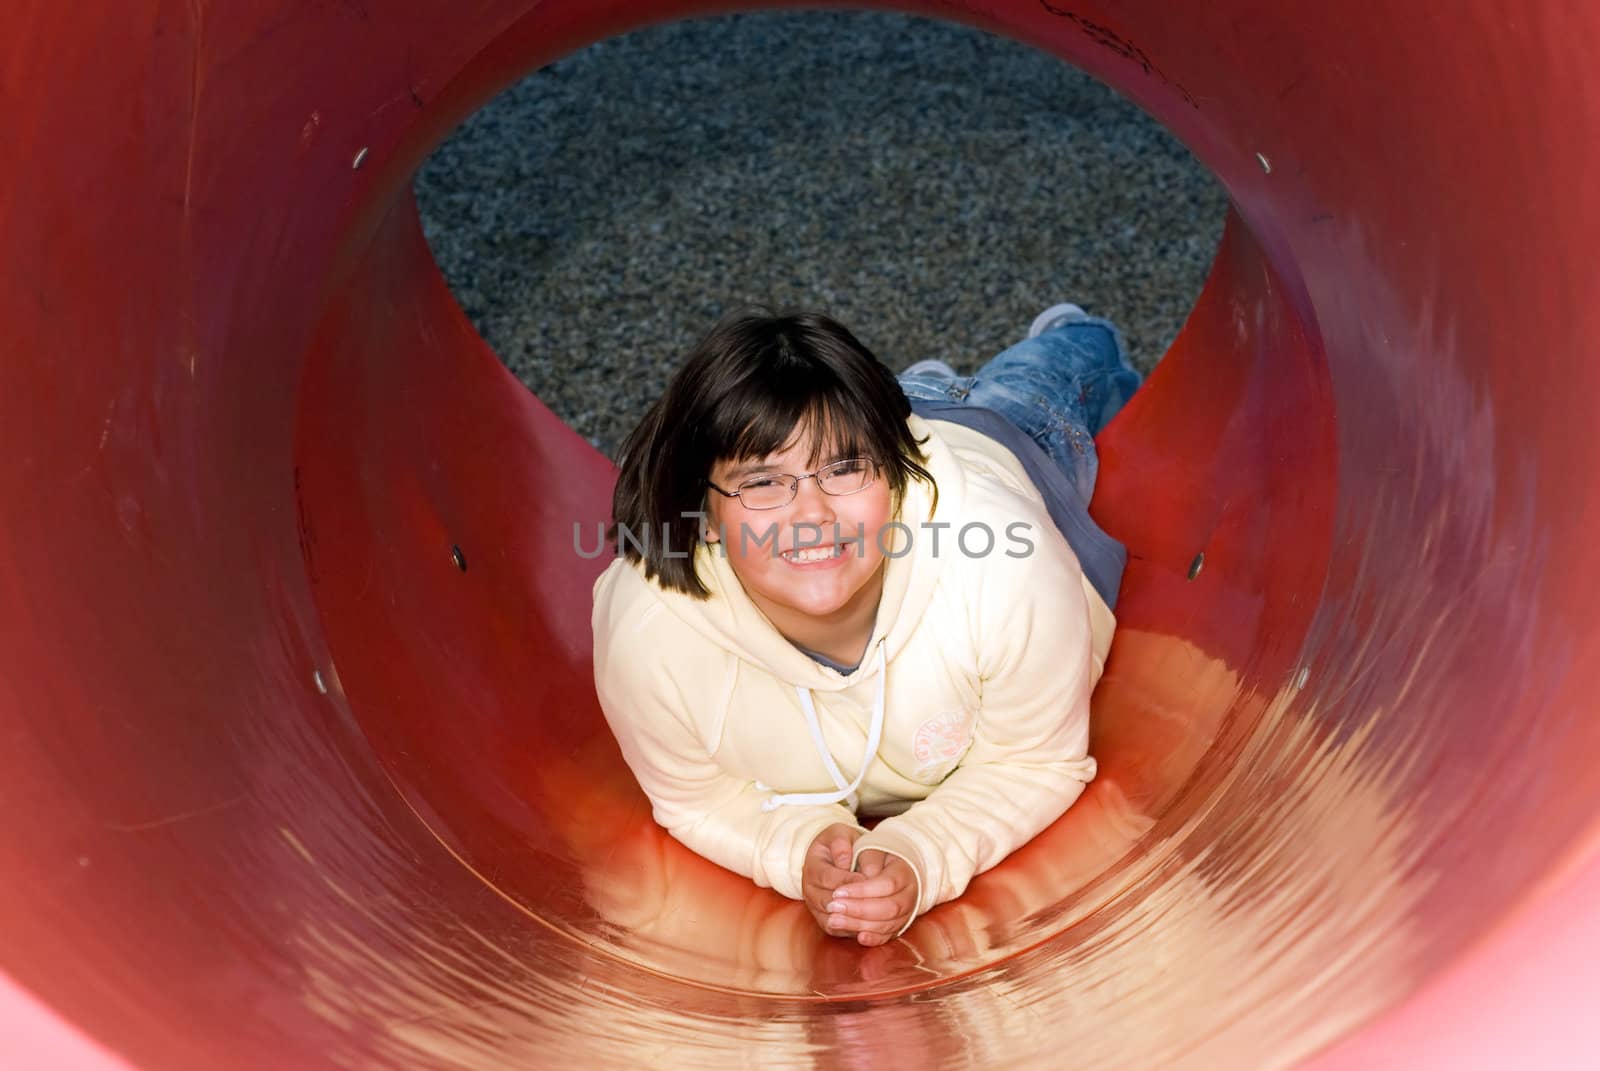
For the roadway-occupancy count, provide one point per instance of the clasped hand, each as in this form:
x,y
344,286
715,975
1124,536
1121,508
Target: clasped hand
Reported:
x,y
872,904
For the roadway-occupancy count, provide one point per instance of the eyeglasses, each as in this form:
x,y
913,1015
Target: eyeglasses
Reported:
x,y
772,490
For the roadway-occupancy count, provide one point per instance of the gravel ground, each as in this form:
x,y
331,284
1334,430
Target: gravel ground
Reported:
x,y
930,185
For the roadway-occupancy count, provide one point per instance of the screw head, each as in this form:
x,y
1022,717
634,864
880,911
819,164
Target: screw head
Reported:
x,y
1196,565
459,558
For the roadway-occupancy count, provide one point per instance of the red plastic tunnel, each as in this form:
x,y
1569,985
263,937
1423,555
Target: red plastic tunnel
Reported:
x,y
300,761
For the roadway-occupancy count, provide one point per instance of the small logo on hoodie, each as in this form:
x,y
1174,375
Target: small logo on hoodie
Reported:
x,y
940,742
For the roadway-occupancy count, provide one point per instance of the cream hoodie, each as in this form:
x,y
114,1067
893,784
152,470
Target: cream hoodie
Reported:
x,y
967,720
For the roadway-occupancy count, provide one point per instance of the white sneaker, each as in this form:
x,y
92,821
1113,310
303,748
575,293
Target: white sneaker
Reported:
x,y
930,367
1055,316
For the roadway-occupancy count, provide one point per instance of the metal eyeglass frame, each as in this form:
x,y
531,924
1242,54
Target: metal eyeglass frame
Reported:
x,y
794,483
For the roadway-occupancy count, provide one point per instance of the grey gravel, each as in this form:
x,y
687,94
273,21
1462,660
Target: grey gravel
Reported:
x,y
930,185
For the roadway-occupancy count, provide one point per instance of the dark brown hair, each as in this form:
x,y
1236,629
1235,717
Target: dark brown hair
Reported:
x,y
741,394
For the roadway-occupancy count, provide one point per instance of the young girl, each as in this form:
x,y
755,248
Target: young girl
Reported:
x,y
840,594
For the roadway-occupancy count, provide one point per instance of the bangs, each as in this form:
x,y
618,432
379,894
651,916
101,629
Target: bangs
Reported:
x,y
766,416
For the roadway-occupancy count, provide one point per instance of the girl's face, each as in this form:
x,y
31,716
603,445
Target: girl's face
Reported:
x,y
803,563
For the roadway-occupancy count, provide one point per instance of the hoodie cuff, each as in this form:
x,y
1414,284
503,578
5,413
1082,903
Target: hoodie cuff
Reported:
x,y
900,848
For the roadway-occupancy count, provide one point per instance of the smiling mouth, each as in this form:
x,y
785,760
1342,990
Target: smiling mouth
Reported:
x,y
813,554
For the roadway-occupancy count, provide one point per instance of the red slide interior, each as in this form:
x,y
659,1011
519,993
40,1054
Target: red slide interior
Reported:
x,y
299,751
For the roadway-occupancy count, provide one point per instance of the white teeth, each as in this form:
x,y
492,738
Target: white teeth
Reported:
x,y
813,554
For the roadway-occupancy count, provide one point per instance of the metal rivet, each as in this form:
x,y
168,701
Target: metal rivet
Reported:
x,y
1266,165
360,157
316,677
1195,566
1301,678
459,558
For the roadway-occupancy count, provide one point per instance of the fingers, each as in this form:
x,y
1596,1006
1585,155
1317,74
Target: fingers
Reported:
x,y
819,883
837,844
871,903
871,920
826,879
885,884
843,845
878,909
879,929
825,923
827,927
845,926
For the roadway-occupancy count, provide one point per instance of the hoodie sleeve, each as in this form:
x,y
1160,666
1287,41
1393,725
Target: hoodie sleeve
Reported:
x,y
712,811
1029,757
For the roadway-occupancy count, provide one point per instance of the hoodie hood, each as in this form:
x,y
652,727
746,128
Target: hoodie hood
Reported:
x,y
730,620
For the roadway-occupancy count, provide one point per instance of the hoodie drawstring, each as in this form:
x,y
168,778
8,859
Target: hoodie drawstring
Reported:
x,y
846,792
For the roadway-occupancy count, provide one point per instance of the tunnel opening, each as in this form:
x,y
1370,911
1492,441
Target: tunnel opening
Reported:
x,y
1212,615
931,185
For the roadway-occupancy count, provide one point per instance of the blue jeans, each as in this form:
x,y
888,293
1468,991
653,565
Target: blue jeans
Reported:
x,y
1060,389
